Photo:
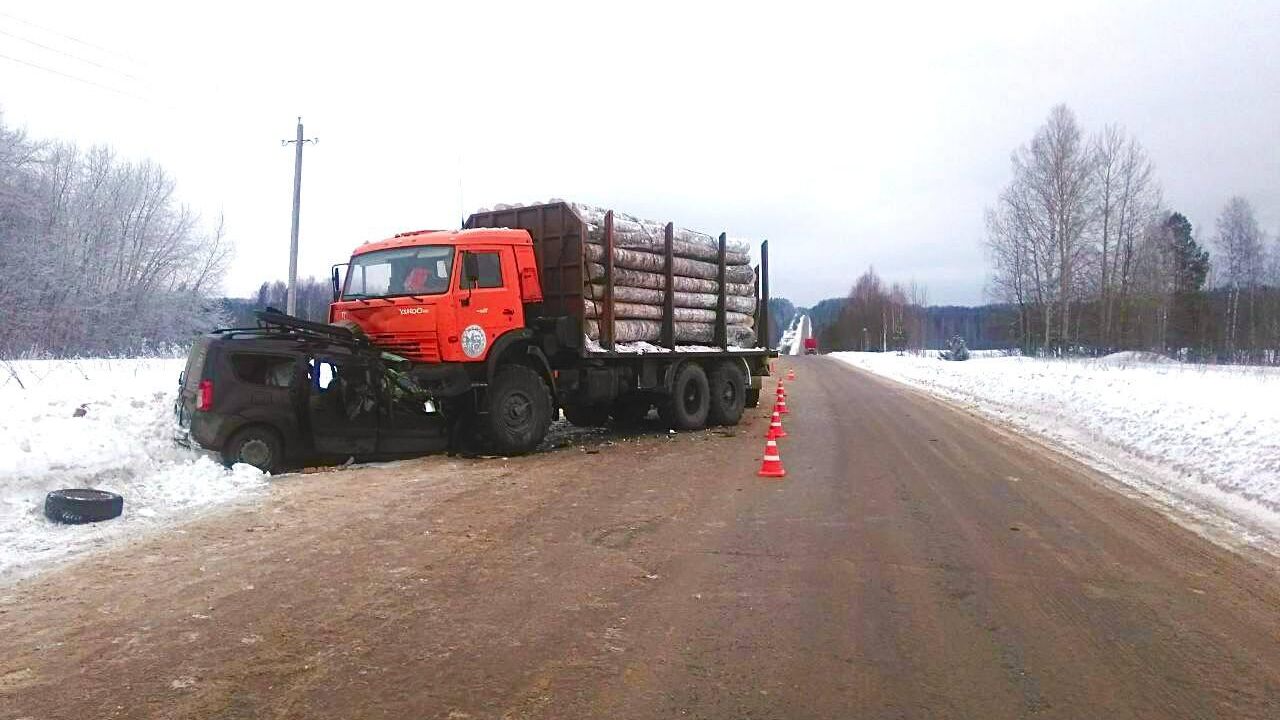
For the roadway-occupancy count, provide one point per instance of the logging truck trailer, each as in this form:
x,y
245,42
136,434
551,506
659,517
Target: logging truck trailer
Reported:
x,y
498,323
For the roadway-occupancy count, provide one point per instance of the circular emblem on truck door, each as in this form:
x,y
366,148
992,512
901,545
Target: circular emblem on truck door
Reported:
x,y
474,341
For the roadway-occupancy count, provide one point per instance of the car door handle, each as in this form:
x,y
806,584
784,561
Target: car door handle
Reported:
x,y
508,311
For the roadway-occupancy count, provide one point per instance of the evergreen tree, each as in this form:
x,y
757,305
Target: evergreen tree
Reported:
x,y
1187,328
1191,262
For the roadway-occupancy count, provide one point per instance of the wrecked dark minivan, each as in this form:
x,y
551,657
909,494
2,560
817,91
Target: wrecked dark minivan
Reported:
x,y
292,391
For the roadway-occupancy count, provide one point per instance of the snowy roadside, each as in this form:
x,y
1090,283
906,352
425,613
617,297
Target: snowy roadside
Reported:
x,y
122,442
1199,438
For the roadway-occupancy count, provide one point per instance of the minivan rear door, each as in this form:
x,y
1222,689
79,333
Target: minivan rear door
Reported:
x,y
189,382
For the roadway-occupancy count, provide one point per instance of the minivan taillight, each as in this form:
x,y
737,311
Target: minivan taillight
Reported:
x,y
205,401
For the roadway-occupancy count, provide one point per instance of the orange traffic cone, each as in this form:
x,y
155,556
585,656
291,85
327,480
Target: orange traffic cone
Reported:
x,y
780,406
775,428
771,467
791,374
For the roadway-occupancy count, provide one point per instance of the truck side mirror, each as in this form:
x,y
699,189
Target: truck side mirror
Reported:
x,y
470,275
470,270
337,283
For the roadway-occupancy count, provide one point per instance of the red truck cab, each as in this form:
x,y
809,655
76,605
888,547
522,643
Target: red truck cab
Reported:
x,y
437,296
811,346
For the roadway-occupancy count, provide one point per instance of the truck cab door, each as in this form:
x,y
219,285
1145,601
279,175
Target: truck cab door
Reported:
x,y
343,405
488,299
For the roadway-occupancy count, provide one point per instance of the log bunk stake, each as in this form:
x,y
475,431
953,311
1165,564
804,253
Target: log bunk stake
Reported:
x,y
721,335
606,321
668,337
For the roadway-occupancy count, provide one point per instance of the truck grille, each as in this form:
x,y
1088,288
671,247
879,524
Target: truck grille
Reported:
x,y
422,346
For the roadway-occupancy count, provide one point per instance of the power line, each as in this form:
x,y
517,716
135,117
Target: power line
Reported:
x,y
69,76
86,43
73,56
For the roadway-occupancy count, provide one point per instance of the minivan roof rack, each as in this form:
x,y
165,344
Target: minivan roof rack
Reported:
x,y
274,319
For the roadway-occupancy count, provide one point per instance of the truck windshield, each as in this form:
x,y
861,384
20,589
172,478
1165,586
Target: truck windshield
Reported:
x,y
399,272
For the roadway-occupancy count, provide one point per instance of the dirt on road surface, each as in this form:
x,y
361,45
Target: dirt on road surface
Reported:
x,y
914,563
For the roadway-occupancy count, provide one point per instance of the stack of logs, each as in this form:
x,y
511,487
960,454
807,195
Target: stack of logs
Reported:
x,y
639,282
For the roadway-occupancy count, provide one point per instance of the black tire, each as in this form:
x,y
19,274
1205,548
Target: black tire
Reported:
x,y
76,506
631,409
519,410
690,400
587,415
256,445
728,394
753,398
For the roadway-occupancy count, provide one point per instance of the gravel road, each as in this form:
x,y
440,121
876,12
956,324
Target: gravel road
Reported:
x,y
915,563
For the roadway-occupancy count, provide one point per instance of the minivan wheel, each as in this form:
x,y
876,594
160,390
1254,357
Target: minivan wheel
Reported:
x,y
519,405
690,400
257,445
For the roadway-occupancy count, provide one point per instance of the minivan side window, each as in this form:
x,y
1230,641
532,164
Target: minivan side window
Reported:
x,y
489,270
258,369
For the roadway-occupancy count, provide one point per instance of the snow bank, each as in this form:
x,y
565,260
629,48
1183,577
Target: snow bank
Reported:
x,y
123,442
1201,435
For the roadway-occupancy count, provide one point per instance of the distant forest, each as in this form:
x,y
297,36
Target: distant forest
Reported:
x,y
1086,259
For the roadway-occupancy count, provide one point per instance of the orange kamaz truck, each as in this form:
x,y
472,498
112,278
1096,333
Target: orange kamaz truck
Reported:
x,y
529,311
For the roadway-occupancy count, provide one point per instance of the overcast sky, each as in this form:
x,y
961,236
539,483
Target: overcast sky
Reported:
x,y
848,137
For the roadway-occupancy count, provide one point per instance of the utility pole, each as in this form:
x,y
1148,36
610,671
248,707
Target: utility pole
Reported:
x,y
291,305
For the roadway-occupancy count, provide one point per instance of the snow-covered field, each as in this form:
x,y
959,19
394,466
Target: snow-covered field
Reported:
x,y
1198,438
123,442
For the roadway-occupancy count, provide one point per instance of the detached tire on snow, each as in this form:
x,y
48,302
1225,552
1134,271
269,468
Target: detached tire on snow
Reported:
x,y
690,400
80,506
519,410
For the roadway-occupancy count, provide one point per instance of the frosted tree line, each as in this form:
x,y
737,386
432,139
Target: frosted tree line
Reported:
x,y
1085,250
97,255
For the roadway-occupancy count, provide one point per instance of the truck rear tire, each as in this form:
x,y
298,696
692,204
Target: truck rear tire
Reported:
x,y
753,398
727,394
690,400
587,415
519,410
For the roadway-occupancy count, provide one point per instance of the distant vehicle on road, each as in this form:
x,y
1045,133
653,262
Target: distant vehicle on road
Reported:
x,y
811,346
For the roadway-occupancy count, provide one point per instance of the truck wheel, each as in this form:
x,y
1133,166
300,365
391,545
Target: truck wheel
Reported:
x,y
587,415
76,506
519,405
690,399
630,410
728,396
256,445
753,398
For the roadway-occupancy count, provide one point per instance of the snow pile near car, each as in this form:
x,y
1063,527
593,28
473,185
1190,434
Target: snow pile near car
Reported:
x,y
1197,435
105,424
